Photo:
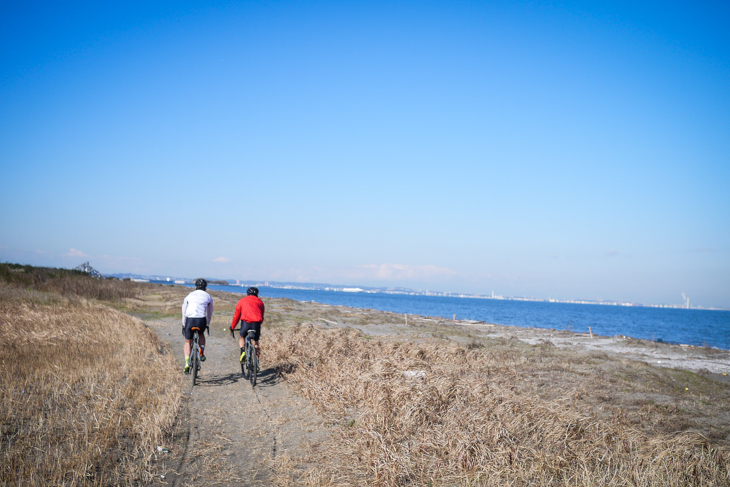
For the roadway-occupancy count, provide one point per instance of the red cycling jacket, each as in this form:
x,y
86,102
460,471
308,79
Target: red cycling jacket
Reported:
x,y
250,309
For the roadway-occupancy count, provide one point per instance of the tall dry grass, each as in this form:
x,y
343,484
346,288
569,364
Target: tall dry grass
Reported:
x,y
466,421
67,283
87,394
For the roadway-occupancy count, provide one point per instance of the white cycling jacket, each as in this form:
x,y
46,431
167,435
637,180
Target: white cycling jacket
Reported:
x,y
197,304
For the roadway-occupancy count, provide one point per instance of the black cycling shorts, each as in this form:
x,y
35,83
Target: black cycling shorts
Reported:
x,y
201,323
255,325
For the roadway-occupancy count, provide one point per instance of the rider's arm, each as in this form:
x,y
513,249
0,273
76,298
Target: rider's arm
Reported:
x,y
209,312
236,316
184,307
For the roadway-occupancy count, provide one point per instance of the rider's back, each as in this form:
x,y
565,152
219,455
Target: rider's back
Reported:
x,y
250,309
196,304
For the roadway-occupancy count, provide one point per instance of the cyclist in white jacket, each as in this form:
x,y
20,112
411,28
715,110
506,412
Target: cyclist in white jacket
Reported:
x,y
197,311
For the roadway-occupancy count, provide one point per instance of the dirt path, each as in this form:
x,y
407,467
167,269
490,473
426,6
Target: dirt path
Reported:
x,y
236,434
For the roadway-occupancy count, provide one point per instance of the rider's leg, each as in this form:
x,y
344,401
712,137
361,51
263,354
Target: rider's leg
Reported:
x,y
256,346
188,346
242,346
201,342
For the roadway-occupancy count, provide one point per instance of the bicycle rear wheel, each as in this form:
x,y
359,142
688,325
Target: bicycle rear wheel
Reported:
x,y
194,359
253,365
243,369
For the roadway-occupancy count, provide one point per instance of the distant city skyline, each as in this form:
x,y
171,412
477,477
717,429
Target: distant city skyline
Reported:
x,y
573,150
354,287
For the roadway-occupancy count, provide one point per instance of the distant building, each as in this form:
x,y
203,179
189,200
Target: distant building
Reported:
x,y
85,267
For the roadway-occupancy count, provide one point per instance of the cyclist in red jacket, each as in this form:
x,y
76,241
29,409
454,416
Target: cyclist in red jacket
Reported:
x,y
250,310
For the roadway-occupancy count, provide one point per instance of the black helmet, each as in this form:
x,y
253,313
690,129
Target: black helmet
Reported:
x,y
252,291
201,284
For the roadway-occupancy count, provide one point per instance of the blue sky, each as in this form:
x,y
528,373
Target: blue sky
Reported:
x,y
547,149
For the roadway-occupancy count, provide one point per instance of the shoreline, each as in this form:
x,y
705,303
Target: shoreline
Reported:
x,y
715,361
641,324
439,294
687,357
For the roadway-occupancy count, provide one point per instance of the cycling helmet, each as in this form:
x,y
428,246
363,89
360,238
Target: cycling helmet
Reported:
x,y
252,291
201,284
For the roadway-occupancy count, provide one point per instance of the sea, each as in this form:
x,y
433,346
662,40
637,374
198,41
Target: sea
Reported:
x,y
710,328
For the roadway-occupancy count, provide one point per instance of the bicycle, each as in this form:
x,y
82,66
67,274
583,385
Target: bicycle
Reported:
x,y
195,355
250,366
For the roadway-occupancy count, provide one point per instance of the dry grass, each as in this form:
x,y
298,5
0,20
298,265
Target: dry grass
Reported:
x,y
87,392
67,283
485,412
469,421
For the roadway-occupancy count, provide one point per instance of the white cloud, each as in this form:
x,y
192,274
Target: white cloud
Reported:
x,y
222,259
75,253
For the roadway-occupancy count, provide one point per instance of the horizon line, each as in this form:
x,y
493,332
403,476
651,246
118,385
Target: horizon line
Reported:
x,y
600,302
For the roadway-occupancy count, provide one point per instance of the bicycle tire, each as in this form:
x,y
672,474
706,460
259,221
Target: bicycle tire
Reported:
x,y
254,369
248,360
243,369
244,364
194,358
253,364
